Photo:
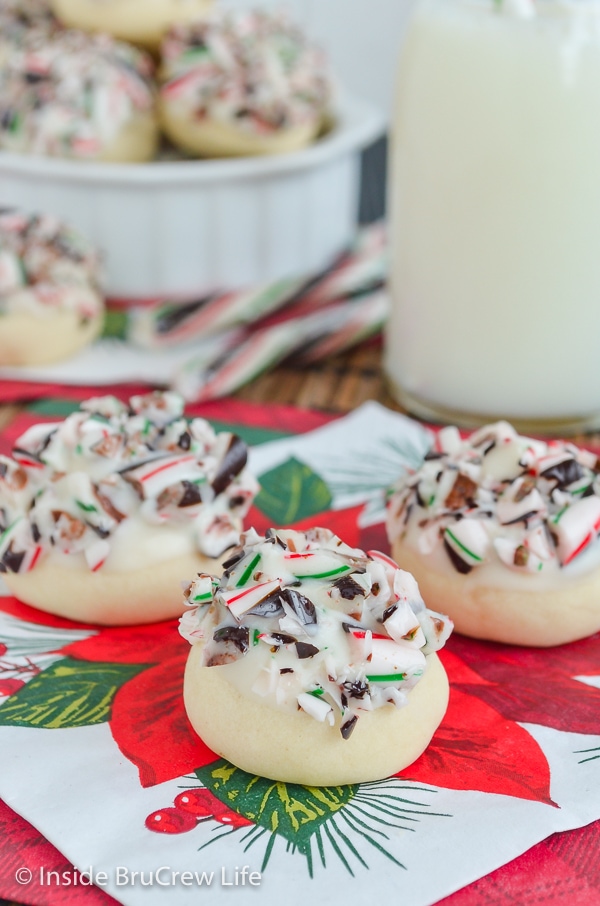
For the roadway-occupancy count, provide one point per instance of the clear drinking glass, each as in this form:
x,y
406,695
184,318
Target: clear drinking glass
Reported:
x,y
495,214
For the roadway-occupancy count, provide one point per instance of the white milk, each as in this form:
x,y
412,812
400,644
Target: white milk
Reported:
x,y
495,211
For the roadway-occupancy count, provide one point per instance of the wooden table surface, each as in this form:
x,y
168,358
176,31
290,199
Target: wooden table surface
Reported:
x,y
339,385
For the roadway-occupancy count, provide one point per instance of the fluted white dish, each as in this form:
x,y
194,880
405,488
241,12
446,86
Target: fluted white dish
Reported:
x,y
182,227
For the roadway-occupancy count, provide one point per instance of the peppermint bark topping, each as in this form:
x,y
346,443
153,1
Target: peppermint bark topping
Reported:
x,y
68,495
302,637
500,497
254,70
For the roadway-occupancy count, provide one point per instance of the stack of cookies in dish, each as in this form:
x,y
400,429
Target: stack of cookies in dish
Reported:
x,y
100,79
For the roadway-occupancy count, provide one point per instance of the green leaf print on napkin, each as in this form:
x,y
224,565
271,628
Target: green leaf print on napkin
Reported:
x,y
292,491
69,693
282,809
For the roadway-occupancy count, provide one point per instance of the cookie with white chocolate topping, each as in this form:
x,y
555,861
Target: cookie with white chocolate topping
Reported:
x,y
51,304
242,83
313,662
504,530
105,513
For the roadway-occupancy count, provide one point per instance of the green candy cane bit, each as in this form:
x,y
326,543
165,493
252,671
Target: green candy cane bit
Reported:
x,y
248,571
255,637
205,597
560,514
387,678
317,692
86,507
463,547
327,575
8,529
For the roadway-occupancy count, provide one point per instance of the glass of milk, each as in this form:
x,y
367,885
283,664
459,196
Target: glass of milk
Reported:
x,y
495,214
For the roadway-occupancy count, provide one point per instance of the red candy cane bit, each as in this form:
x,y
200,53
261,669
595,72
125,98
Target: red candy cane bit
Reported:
x,y
361,634
377,555
35,558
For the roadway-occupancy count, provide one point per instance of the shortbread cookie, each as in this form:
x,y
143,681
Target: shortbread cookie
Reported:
x,y
106,513
313,662
77,96
51,305
141,22
242,84
503,529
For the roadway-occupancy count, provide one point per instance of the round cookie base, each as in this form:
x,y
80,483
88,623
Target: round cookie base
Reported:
x,y
142,22
118,598
29,340
292,747
210,138
540,618
135,143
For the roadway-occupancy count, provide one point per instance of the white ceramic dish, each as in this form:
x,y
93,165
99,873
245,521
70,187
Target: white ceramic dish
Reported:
x,y
183,227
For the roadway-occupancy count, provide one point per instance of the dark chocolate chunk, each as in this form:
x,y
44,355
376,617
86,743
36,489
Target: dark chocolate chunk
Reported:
x,y
191,494
271,535
521,556
220,658
283,638
433,454
239,555
304,610
231,465
269,606
388,612
12,560
236,502
356,689
348,726
564,473
524,518
286,670
348,627
304,650
237,635
420,499
185,440
348,588
527,486
462,493
457,562
108,505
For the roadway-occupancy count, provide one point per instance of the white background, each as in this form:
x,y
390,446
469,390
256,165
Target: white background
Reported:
x,y
362,38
